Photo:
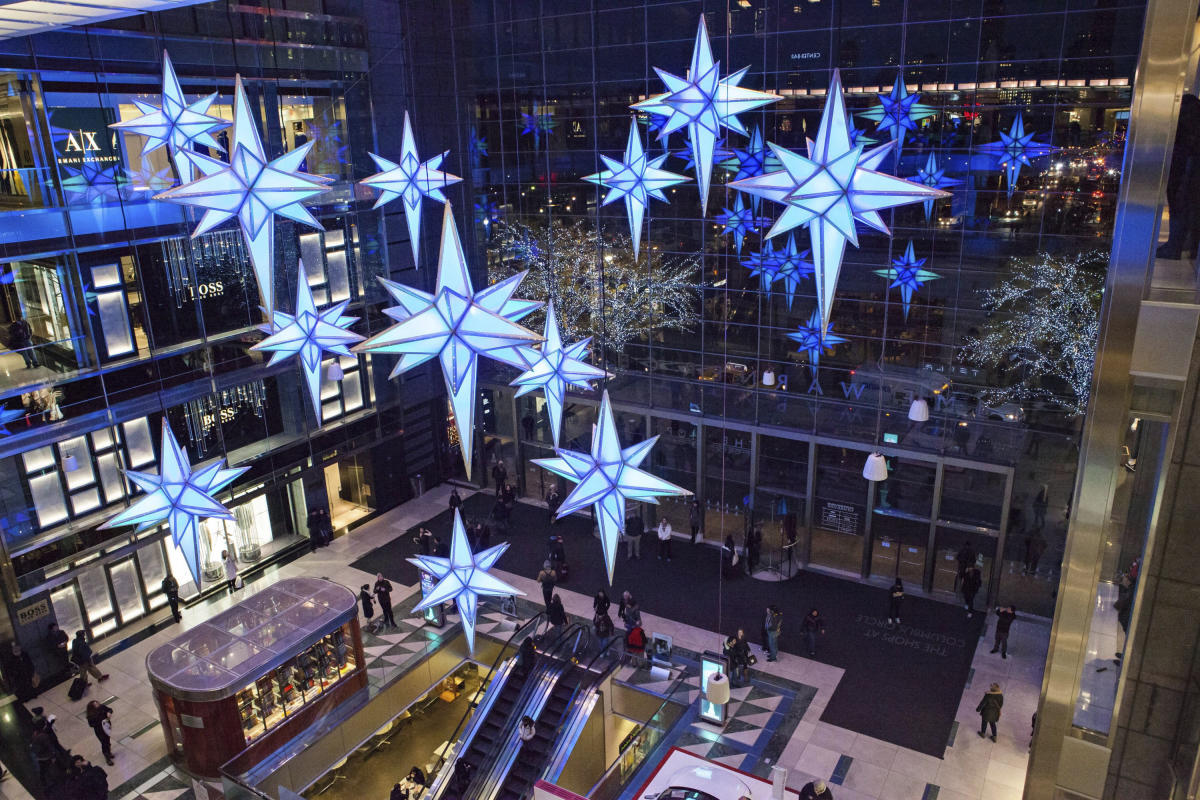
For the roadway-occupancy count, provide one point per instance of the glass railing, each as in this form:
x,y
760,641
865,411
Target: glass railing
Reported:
x,y
641,743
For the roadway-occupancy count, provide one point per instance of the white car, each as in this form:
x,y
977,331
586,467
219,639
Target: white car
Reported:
x,y
702,783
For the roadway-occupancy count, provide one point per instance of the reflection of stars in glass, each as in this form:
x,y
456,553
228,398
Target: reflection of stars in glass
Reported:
x,y
326,134
832,189
906,275
705,103
410,180
934,177
764,265
654,123
636,180
253,189
858,136
792,266
456,325
813,341
898,112
476,146
91,183
555,367
487,214
175,125
540,121
606,478
685,154
1016,148
309,334
148,179
179,495
89,299
7,277
740,221
463,578
8,415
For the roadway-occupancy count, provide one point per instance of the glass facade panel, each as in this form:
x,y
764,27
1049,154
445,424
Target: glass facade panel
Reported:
x,y
127,589
839,509
154,569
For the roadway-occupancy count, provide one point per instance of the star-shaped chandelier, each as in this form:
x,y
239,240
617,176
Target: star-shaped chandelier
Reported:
x,y
751,160
740,221
553,367
463,577
180,496
411,180
455,324
636,179
907,276
1014,150
176,125
606,478
705,103
309,334
898,112
791,267
252,189
934,177
8,415
764,265
815,337
834,187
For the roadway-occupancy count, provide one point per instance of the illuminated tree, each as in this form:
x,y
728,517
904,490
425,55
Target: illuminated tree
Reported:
x,y
1042,329
597,287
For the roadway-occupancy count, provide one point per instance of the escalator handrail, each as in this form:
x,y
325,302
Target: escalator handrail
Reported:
x,y
451,739
565,740
486,783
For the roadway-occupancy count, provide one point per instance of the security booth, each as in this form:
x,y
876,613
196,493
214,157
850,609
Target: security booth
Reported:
x,y
258,673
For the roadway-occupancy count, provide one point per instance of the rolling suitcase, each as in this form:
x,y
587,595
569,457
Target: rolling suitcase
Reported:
x,y
78,687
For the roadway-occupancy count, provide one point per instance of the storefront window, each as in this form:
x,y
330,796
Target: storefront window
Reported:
x,y
33,320
349,484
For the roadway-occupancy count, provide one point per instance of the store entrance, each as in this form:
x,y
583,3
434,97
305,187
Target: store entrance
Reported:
x,y
349,486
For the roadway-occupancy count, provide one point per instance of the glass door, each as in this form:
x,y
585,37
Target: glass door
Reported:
x,y
97,600
127,588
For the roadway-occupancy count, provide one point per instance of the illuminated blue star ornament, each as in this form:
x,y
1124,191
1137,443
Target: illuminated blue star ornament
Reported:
x,y
934,177
791,267
606,479
411,179
907,276
176,125
763,265
898,112
1014,150
463,578
252,189
456,325
553,368
836,186
636,180
180,496
815,337
704,103
309,334
740,221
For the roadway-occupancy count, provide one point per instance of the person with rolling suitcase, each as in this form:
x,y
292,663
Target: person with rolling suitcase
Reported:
x,y
79,684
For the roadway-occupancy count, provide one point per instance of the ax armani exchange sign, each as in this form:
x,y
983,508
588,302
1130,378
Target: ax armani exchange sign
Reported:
x,y
81,136
84,146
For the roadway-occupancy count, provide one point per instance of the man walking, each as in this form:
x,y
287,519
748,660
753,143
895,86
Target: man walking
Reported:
x,y
20,337
774,625
965,558
989,710
810,626
383,593
634,528
548,578
971,582
553,502
1004,620
694,518
81,655
170,587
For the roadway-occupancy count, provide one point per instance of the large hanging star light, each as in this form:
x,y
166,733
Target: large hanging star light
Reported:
x,y
252,189
636,179
309,334
898,112
606,478
751,160
463,578
554,367
1016,148
836,186
740,221
8,415
791,267
688,156
455,324
907,276
934,177
180,496
175,125
814,337
705,103
411,180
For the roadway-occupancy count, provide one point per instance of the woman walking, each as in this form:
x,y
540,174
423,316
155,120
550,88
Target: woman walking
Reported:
x,y
989,710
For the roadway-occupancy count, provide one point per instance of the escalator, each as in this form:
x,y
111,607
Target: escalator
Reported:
x,y
500,718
